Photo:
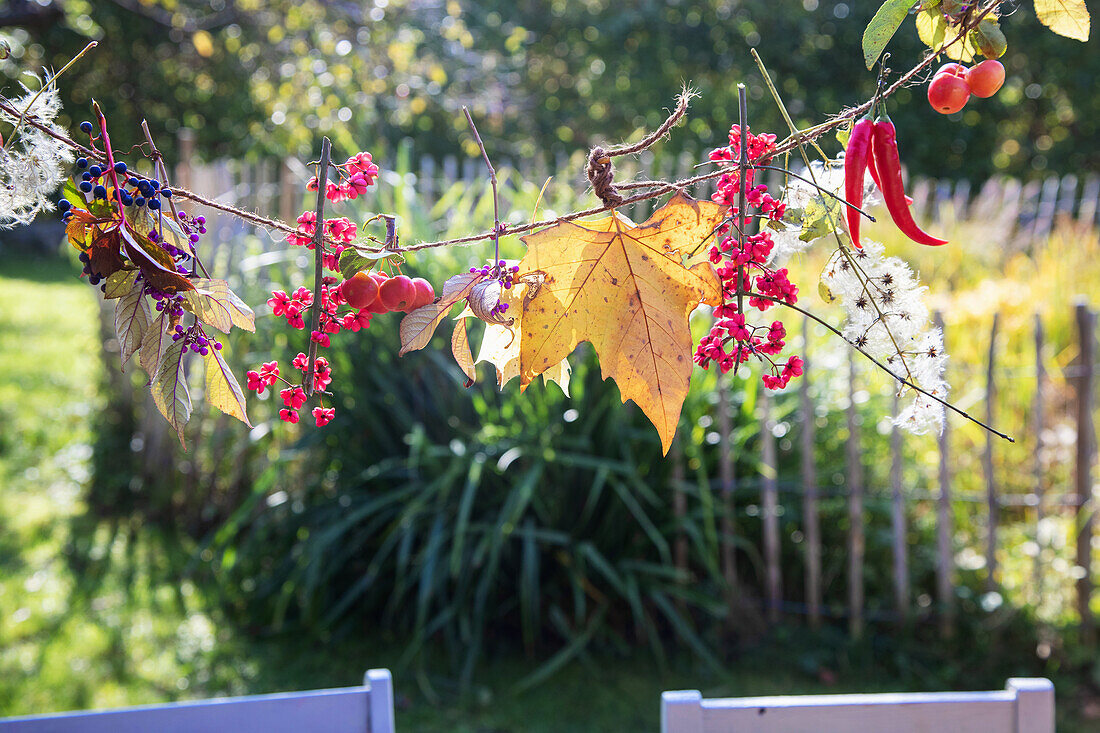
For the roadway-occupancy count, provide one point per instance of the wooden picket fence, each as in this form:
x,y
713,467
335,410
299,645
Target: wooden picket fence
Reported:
x,y
764,490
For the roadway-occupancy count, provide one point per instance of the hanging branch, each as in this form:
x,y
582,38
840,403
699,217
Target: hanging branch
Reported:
x,y
318,262
742,169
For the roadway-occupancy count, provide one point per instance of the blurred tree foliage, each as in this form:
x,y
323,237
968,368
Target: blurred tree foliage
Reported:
x,y
267,77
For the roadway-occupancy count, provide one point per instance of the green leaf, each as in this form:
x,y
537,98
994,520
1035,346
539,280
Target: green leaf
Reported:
x,y
210,303
1069,18
74,194
820,218
119,283
169,389
882,28
351,263
131,321
153,344
222,389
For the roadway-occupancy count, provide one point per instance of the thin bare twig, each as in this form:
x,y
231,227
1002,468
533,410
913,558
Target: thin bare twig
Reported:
x,y
742,169
493,181
158,164
885,368
318,263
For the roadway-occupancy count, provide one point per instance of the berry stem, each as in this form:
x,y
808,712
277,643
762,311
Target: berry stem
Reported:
x,y
743,167
318,261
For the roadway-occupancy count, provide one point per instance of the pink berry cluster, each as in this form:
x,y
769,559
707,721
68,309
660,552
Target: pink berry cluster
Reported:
x,y
355,176
294,396
747,265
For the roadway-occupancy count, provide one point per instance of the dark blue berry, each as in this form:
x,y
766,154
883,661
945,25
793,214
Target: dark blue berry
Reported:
x,y
86,187
86,127
83,257
81,163
131,181
166,193
64,205
85,176
94,279
96,171
139,201
100,192
154,204
120,167
154,183
127,199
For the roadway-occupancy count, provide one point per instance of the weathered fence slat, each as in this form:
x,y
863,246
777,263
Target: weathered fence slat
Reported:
x,y
856,539
945,559
1085,381
1090,199
728,479
809,487
769,510
898,524
1039,420
993,509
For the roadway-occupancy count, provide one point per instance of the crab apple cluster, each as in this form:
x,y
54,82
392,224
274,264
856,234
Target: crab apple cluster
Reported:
x,y
952,86
356,176
377,292
742,267
501,272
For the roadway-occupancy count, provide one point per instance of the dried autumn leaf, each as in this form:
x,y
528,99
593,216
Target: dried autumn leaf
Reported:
x,y
223,391
624,288
156,266
131,321
500,346
169,388
209,301
156,340
460,347
418,326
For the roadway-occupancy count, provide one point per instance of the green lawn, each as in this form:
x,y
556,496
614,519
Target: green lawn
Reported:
x,y
98,612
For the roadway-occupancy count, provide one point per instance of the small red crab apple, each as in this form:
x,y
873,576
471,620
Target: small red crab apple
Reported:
x,y
397,293
360,291
424,293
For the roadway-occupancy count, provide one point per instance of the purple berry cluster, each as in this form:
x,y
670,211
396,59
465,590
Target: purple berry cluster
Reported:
x,y
195,339
502,272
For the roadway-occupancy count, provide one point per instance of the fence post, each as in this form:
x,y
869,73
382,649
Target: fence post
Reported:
x,y
1039,420
1086,214
945,560
856,540
901,557
987,462
809,487
769,510
1086,440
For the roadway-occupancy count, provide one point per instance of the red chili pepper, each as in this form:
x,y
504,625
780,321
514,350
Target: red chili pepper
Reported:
x,y
885,149
872,165
856,158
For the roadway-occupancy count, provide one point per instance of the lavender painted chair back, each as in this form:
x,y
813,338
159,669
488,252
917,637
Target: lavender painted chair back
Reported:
x,y
1026,705
366,709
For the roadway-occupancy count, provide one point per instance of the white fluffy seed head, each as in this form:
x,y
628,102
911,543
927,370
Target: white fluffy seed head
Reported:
x,y
34,164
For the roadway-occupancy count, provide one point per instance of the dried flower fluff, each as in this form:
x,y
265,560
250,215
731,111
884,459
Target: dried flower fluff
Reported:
x,y
887,318
33,165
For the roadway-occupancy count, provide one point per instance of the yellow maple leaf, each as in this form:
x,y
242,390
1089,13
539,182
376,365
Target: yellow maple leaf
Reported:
x,y
500,345
1069,18
624,288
